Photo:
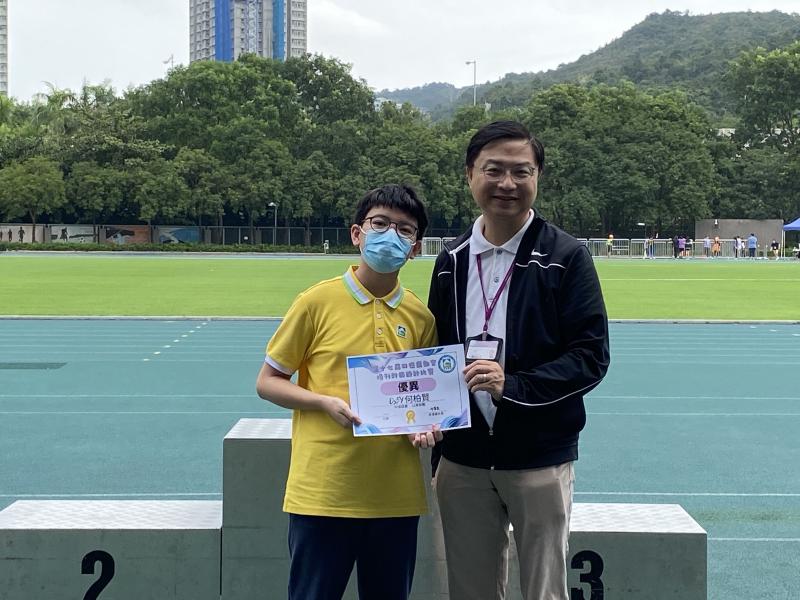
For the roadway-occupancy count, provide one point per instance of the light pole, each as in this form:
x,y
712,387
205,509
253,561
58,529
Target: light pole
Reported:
x,y
474,64
644,237
274,206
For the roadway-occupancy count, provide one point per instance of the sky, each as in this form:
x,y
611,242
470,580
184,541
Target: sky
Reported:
x,y
389,43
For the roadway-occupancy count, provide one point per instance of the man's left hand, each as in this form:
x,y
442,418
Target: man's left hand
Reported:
x,y
486,376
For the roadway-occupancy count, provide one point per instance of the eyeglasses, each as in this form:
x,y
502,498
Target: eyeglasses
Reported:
x,y
379,224
496,174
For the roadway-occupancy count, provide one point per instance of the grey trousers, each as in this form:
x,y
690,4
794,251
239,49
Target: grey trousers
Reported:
x,y
477,506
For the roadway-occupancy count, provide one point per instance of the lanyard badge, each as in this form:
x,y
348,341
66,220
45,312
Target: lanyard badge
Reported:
x,y
486,346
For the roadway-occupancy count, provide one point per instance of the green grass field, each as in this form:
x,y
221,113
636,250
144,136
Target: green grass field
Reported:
x,y
201,286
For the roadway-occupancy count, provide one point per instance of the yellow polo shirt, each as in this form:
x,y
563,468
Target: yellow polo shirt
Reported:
x,y
332,473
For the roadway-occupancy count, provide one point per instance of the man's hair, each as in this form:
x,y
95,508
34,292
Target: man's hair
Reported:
x,y
503,130
398,197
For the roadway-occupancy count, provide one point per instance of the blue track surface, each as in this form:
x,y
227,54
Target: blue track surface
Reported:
x,y
705,416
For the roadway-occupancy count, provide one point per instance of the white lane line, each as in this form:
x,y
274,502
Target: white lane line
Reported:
x,y
165,395
696,494
689,414
135,495
757,540
721,397
138,412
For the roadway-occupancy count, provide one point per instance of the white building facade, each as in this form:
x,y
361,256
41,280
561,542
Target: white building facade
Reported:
x,y
4,47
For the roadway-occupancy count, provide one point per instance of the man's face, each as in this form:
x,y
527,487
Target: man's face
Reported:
x,y
507,199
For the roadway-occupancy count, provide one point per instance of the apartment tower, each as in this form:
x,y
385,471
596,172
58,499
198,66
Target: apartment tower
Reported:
x,y
224,29
4,47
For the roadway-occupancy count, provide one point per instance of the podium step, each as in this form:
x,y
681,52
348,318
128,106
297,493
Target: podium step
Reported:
x,y
125,550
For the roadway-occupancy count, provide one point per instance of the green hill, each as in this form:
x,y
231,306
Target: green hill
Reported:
x,y
668,50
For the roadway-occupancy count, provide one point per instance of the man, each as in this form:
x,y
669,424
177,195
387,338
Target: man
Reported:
x,y
352,501
752,244
706,246
521,290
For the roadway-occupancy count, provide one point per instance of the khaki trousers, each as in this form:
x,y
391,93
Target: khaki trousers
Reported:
x,y
477,506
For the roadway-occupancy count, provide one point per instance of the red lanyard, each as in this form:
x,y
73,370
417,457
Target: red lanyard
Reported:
x,y
487,309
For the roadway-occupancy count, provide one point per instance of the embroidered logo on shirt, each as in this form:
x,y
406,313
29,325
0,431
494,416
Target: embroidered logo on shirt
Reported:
x,y
401,331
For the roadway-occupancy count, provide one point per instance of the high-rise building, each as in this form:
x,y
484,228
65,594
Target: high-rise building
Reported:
x,y
4,47
224,29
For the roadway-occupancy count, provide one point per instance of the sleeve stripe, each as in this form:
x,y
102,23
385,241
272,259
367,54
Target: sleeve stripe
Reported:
x,y
532,405
277,366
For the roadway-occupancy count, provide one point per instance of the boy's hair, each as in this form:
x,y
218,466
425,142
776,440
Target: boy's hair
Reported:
x,y
395,196
503,130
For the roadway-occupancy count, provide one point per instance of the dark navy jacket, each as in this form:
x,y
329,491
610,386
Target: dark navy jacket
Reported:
x,y
556,350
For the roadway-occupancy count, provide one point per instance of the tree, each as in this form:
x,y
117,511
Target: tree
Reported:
x,y
205,182
31,187
157,189
95,190
766,90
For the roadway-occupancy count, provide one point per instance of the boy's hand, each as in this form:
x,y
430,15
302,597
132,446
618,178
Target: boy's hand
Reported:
x,y
426,439
339,411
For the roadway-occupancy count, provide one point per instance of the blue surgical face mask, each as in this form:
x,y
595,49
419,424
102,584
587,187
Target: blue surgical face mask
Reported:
x,y
385,252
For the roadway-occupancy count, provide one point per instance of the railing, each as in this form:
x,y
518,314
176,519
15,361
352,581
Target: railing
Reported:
x,y
644,249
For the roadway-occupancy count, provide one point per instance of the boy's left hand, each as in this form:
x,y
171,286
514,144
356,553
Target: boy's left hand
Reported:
x,y
426,439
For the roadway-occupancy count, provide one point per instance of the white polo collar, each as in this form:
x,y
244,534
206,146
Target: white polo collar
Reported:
x,y
478,244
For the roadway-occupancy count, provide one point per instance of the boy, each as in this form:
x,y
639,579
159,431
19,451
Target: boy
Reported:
x,y
352,500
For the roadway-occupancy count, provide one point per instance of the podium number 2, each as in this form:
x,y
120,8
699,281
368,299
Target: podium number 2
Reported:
x,y
106,572
592,576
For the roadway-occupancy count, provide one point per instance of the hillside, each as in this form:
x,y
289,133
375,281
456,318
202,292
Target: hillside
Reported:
x,y
668,50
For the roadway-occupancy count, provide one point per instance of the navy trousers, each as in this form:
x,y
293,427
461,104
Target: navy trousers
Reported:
x,y
323,551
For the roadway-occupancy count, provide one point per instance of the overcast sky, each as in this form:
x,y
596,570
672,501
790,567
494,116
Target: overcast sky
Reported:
x,y
390,44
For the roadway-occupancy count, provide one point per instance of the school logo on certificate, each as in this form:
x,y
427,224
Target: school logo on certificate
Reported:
x,y
446,364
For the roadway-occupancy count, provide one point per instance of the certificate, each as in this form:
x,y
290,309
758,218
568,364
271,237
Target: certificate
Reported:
x,y
410,391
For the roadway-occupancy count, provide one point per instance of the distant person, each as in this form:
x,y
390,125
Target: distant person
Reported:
x,y
776,249
10,235
752,244
707,246
610,245
716,247
676,249
63,235
352,501
736,246
682,246
21,234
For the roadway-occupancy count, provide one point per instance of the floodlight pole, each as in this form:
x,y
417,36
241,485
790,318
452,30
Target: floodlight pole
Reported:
x,y
274,206
474,64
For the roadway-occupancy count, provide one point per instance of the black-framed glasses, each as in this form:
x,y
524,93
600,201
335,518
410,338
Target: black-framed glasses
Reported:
x,y
519,174
379,224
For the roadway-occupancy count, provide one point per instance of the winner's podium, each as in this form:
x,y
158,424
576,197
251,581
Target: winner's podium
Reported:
x,y
237,549
617,551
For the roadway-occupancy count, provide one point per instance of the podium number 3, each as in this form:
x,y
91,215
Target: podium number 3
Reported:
x,y
106,572
592,577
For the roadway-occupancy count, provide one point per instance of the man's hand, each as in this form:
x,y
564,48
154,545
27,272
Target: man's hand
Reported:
x,y
485,376
426,439
339,411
